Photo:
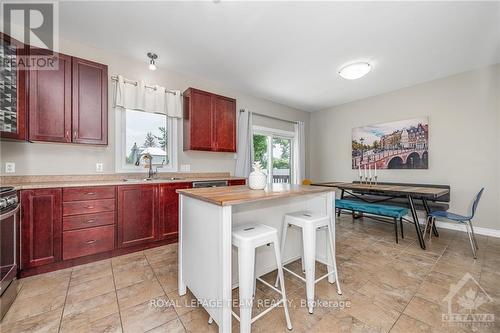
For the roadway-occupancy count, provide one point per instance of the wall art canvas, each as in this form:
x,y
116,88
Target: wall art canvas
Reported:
x,y
399,144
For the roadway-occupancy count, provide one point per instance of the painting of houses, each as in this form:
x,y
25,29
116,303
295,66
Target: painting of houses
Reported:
x,y
400,144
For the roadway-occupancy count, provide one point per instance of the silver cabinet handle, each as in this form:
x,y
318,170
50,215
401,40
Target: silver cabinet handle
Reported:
x,y
90,221
89,207
90,193
91,241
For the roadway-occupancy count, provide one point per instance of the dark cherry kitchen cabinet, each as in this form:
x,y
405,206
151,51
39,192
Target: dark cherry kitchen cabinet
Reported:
x,y
90,102
137,214
209,121
169,209
41,227
13,120
50,103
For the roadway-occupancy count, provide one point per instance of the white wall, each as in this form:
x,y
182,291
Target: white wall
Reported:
x,y
53,159
464,141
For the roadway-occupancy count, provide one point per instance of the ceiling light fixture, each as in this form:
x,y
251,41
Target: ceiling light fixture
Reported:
x,y
355,70
152,57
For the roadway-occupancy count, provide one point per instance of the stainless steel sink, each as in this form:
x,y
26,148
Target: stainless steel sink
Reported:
x,y
136,180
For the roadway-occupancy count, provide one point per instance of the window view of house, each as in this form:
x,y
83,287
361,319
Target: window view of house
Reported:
x,y
145,133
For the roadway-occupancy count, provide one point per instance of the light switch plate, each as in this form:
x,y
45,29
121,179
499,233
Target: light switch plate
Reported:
x,y
98,167
10,167
185,167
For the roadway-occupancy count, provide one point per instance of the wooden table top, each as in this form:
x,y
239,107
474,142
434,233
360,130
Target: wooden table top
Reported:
x,y
234,195
396,190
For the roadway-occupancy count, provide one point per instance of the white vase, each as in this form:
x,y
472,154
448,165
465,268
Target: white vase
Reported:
x,y
257,180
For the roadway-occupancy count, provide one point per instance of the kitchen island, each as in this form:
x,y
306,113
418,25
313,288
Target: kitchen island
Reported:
x,y
207,265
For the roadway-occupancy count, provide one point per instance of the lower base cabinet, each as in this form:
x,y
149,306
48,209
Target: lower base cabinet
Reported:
x,y
65,227
41,227
84,242
137,214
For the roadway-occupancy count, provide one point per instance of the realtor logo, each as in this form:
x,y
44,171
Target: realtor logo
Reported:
x,y
465,301
35,25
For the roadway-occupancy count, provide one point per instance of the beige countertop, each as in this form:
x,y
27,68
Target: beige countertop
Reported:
x,y
37,182
233,195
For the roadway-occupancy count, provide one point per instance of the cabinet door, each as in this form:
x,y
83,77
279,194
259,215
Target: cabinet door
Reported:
x,y
169,208
199,121
137,214
224,124
90,102
13,101
41,227
50,103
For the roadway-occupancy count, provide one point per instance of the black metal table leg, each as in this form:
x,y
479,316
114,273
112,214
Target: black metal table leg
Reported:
x,y
428,211
417,224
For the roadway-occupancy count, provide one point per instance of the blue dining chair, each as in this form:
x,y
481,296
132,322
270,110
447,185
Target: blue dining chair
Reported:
x,y
467,220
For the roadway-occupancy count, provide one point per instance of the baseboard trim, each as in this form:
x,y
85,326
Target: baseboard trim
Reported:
x,y
461,227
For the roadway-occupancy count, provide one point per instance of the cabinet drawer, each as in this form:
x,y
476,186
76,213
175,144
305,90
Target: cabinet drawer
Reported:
x,y
88,206
88,220
88,193
79,243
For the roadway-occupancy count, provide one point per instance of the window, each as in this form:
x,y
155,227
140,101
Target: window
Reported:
x,y
274,149
142,132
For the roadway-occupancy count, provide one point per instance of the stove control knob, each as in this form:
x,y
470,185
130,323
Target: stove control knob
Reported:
x,y
12,200
3,203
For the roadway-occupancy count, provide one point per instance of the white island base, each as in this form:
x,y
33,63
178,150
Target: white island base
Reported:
x,y
208,262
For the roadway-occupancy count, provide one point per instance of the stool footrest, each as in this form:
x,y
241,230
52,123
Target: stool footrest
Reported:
x,y
303,279
270,286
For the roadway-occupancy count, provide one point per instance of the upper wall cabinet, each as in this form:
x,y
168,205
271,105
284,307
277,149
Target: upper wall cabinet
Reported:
x,y
69,104
209,121
50,103
12,90
90,102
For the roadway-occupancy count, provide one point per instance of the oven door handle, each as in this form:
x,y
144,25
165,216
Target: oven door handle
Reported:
x,y
9,214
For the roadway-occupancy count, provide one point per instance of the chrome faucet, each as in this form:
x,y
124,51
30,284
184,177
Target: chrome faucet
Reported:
x,y
149,158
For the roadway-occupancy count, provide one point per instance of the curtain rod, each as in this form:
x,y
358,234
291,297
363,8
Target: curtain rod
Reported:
x,y
275,118
115,78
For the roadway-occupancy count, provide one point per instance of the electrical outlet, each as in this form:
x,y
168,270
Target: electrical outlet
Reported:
x,y
185,167
10,167
98,167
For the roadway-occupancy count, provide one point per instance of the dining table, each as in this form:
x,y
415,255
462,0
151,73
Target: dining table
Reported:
x,y
390,191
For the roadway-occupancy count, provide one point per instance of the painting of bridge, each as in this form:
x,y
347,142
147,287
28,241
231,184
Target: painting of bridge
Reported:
x,y
400,144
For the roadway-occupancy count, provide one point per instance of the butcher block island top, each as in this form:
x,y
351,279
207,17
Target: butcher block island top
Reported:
x,y
234,195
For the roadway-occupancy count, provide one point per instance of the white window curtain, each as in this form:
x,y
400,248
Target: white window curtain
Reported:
x,y
300,153
245,144
148,99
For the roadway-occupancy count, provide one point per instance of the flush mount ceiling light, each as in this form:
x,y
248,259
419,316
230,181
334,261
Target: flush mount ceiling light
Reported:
x,y
152,57
355,70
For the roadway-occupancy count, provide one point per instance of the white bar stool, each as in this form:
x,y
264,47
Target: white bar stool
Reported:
x,y
310,222
247,238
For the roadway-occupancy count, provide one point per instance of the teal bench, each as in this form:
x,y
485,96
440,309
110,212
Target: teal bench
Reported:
x,y
394,212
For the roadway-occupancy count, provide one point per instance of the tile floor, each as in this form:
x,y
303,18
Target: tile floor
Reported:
x,y
387,287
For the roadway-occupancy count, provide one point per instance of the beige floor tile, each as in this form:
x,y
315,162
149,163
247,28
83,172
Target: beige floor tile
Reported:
x,y
427,312
407,324
148,315
173,326
373,313
27,307
183,304
91,272
89,289
393,297
128,277
138,293
197,321
130,258
78,314
45,322
161,253
44,283
109,324
166,273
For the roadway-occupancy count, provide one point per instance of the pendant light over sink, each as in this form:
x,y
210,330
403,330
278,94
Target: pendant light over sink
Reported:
x,y
355,70
152,57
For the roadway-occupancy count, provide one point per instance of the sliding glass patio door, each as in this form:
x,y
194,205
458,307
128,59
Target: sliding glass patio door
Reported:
x,y
274,150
